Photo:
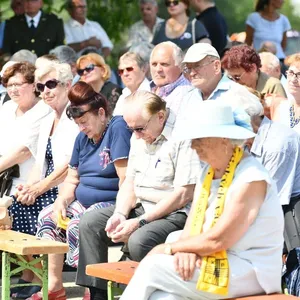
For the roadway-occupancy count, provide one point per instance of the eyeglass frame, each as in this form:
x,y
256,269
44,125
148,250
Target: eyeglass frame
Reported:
x,y
187,70
45,85
16,85
83,112
233,78
89,68
174,2
128,69
291,73
140,129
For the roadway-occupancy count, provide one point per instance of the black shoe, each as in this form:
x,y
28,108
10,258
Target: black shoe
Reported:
x,y
18,289
27,292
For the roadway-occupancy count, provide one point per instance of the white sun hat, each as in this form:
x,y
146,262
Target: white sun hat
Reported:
x,y
211,118
199,51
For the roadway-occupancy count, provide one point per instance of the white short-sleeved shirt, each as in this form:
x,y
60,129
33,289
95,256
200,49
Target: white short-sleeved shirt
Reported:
x,y
76,32
265,30
260,248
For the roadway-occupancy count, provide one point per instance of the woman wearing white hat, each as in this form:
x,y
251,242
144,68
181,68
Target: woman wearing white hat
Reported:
x,y
231,245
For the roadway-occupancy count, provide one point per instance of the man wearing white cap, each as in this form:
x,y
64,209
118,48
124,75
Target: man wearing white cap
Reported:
x,y
202,66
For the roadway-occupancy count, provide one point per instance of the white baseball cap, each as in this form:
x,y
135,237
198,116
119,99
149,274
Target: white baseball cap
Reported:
x,y
211,118
199,51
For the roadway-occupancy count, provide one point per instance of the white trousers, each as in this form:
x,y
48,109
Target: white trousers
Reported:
x,y
156,278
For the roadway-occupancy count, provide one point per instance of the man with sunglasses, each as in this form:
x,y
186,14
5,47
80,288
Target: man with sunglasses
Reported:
x,y
35,30
155,197
143,30
82,33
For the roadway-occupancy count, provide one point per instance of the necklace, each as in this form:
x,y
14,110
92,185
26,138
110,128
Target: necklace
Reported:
x,y
293,121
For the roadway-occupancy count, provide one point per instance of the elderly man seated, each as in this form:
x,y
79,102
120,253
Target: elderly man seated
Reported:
x,y
154,199
231,245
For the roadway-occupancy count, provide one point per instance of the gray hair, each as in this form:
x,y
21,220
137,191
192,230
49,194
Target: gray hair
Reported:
x,y
153,2
135,57
62,70
143,49
24,55
270,60
65,54
177,52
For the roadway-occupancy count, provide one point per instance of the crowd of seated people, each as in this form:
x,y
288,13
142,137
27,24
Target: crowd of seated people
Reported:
x,y
143,161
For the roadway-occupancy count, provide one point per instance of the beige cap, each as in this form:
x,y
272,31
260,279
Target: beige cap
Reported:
x,y
199,51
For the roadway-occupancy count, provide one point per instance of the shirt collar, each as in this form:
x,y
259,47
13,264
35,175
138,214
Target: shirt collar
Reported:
x,y
167,89
224,85
75,23
259,140
36,19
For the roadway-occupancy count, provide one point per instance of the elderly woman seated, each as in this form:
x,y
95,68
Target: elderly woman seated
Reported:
x,y
133,70
231,245
242,65
96,170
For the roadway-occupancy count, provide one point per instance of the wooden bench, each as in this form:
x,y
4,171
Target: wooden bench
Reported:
x,y
16,246
122,272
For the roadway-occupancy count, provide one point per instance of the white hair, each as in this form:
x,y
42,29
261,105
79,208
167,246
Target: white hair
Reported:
x,y
153,2
177,52
24,55
243,99
62,70
270,60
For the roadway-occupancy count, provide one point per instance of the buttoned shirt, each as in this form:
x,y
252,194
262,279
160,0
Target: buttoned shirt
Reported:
x,y
36,19
277,147
76,32
139,32
158,168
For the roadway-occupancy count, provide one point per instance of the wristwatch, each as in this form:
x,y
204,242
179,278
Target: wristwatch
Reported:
x,y
142,221
168,249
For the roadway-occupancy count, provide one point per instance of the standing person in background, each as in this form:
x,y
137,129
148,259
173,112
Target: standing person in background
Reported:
x,y
82,33
213,21
179,29
35,30
266,24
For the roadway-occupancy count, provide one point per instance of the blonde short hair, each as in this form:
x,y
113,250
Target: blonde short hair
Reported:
x,y
293,59
97,60
151,102
62,70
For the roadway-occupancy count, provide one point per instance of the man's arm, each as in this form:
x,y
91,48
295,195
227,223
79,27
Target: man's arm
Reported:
x,y
93,42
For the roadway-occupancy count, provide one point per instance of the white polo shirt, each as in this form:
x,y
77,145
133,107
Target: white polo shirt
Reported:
x,y
76,32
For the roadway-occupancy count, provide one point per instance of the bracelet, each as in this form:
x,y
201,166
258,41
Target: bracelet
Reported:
x,y
117,212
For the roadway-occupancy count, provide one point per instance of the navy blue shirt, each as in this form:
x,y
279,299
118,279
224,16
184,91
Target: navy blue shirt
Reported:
x,y
98,179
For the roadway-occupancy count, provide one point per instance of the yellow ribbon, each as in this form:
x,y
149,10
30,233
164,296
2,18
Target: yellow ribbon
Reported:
x,y
214,274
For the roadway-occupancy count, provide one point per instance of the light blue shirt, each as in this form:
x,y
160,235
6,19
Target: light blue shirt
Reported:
x,y
277,147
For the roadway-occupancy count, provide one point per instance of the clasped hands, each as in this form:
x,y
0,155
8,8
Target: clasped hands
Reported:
x,y
119,229
27,194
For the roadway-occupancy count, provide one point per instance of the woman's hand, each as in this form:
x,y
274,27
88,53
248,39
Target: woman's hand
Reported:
x,y
185,264
27,194
59,208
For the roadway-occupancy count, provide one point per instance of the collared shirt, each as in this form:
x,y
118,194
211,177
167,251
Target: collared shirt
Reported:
x,y
76,32
119,108
139,32
278,148
158,168
173,93
36,19
269,85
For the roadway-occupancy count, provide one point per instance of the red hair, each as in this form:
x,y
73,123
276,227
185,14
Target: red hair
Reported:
x,y
241,56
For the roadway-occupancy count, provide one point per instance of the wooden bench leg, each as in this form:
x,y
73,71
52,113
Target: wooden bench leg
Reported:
x,y
45,276
113,289
5,276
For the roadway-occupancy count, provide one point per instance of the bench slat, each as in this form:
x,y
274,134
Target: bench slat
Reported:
x,y
120,272
25,244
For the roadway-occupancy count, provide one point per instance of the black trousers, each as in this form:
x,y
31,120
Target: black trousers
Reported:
x,y
93,241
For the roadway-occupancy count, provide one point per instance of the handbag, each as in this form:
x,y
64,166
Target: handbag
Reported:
x,y
6,179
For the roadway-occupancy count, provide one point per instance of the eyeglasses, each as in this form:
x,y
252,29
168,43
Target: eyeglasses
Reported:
x,y
197,68
235,78
139,129
89,68
168,3
9,87
75,112
290,73
50,84
129,69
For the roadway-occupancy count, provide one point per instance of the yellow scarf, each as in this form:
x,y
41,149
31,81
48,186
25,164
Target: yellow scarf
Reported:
x,y
214,274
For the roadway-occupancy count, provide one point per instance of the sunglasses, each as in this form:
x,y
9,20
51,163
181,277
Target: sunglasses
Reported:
x,y
236,78
129,69
50,84
139,129
74,112
89,68
168,3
